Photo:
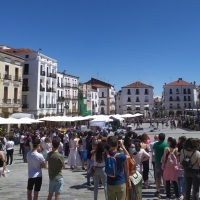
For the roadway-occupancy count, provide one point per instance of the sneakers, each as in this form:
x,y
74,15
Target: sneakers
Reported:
x,y
7,171
4,175
157,194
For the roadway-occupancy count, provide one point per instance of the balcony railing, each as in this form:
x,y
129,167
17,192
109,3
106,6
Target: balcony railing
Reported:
x,y
53,105
25,72
7,77
41,105
68,111
6,101
53,90
74,85
67,84
112,102
25,88
17,78
146,100
129,108
25,105
60,111
48,89
102,104
16,101
74,111
42,73
53,75
60,99
67,96
60,85
75,97
48,74
48,105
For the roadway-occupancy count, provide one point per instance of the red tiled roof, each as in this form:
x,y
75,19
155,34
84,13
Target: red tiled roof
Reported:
x,y
20,50
137,84
179,82
10,54
100,86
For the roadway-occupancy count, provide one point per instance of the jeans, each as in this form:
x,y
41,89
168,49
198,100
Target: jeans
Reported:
x,y
89,165
175,189
192,178
100,175
181,186
116,192
21,149
9,155
145,170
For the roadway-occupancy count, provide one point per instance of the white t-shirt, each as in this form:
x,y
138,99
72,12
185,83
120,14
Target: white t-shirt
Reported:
x,y
138,157
42,141
10,145
34,161
21,139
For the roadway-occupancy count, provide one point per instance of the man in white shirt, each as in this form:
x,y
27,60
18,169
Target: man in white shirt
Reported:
x,y
35,161
66,144
21,150
153,153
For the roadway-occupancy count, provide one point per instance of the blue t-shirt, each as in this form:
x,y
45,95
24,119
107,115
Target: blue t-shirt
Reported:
x,y
120,178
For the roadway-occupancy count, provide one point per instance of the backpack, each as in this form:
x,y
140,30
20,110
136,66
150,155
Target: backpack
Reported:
x,y
186,163
111,165
171,160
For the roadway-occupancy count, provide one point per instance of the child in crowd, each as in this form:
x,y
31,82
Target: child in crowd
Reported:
x,y
181,179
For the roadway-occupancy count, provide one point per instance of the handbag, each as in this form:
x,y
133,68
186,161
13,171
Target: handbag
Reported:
x,y
92,171
135,178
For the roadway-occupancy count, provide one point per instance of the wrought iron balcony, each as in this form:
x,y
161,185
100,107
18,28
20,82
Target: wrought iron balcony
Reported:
x,y
48,105
16,101
25,88
6,101
17,78
42,73
25,105
7,77
67,96
41,105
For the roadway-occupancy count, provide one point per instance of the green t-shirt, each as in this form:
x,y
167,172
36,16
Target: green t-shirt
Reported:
x,y
159,148
55,163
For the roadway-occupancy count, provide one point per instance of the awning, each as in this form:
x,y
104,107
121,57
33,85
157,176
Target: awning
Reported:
x,y
22,115
137,106
146,106
128,105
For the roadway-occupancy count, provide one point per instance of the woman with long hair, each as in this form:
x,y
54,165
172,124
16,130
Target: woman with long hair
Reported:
x,y
74,158
132,192
192,175
145,145
140,156
170,167
99,166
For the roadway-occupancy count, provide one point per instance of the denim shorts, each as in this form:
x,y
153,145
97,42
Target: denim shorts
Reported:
x,y
56,185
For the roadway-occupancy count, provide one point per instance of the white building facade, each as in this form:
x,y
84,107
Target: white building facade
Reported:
x,y
67,94
39,85
134,98
95,101
179,96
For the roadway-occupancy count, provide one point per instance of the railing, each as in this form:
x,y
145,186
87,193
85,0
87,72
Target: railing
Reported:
x,y
42,73
53,75
7,77
74,111
68,111
53,90
146,100
102,104
25,72
60,99
41,105
174,99
74,85
25,88
60,85
53,105
17,78
48,74
48,105
137,100
48,89
137,108
60,111
67,84
6,101
25,105
16,101
67,96
112,102
42,89
75,97
129,108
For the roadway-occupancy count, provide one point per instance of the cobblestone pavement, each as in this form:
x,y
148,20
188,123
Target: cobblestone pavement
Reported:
x,y
14,186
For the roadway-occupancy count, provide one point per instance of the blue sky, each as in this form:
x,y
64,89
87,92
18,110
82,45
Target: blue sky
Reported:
x,y
120,41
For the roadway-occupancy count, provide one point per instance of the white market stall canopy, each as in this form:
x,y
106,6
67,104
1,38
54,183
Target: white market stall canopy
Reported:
x,y
101,122
24,120
22,115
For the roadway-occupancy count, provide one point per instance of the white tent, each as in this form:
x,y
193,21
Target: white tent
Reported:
x,y
127,116
137,115
117,117
22,115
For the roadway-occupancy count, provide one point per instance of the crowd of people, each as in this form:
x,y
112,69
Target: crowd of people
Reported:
x,y
119,164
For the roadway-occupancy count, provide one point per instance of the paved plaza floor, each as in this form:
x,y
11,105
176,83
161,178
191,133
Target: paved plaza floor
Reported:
x,y
14,186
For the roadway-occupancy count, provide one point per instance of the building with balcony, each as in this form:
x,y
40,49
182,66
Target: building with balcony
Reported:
x,y
10,84
67,94
39,85
179,96
106,96
134,98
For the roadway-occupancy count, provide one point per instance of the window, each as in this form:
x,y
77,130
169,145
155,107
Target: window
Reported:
x,y
184,91
189,98
146,99
170,91
146,92
185,105
102,94
177,92
137,91
189,92
170,98
26,68
129,99
178,105
189,105
170,105
137,99
129,92
24,99
185,98
27,56
177,99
